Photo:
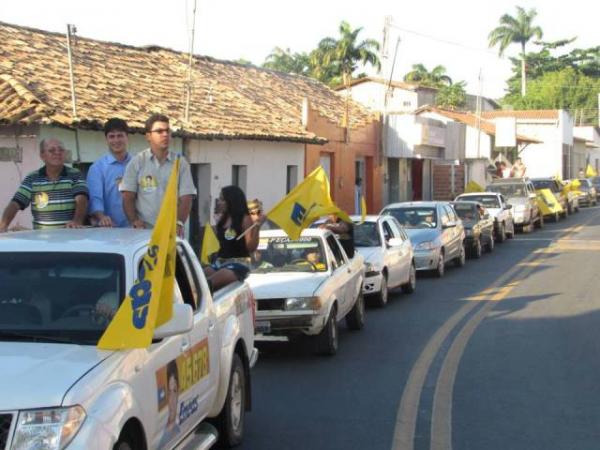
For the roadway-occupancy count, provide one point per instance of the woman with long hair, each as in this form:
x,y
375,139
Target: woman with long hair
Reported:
x,y
237,231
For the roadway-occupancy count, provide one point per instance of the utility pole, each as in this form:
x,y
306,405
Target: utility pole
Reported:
x,y
71,29
190,67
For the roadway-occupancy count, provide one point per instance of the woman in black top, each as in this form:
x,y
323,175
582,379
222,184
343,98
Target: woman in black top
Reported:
x,y
233,258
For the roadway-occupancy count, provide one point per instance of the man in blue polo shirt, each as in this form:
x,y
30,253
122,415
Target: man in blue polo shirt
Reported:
x,y
105,175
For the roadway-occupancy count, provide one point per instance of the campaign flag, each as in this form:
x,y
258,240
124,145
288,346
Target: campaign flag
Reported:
x,y
590,171
305,203
149,302
210,244
473,186
363,209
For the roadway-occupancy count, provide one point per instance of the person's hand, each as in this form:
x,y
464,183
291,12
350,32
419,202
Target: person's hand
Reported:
x,y
74,224
138,223
105,221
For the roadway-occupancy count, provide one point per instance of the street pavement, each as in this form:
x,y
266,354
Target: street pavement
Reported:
x,y
501,354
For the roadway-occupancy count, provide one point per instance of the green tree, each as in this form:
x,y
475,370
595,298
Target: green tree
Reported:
x,y
284,60
437,78
452,96
565,89
516,30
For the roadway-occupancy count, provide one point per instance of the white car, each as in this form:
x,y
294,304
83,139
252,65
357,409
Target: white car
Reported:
x,y
58,390
388,255
305,286
495,204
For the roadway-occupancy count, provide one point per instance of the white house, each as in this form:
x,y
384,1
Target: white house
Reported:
x,y
591,136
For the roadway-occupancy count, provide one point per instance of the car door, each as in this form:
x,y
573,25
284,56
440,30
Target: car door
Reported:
x,y
446,232
454,234
401,253
341,275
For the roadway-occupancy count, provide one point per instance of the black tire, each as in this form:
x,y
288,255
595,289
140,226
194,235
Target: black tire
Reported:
x,y
122,445
461,259
440,270
328,339
411,285
476,250
382,297
230,421
501,233
540,223
128,440
491,244
355,319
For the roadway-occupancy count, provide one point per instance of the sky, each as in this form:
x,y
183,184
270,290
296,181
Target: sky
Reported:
x,y
453,34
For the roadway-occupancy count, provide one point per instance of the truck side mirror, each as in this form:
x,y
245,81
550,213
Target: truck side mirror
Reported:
x,y
181,322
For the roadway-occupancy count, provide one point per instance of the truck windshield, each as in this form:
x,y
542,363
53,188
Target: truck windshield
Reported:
x,y
488,201
281,254
366,235
545,184
58,296
414,217
508,190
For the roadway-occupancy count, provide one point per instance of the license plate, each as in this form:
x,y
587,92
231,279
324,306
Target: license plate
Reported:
x,y
263,326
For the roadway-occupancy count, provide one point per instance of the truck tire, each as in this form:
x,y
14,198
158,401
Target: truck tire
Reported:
x,y
355,319
230,421
411,285
381,298
501,233
327,341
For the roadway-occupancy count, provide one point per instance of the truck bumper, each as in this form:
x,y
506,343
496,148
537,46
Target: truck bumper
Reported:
x,y
372,284
307,322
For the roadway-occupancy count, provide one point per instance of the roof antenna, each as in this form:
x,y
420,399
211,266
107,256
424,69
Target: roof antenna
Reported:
x,y
190,62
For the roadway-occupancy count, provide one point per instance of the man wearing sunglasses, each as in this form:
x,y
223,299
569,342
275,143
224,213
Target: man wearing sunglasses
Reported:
x,y
58,194
147,175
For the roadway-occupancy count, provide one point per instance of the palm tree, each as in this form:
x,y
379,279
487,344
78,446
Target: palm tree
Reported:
x,y
284,60
516,30
437,78
346,53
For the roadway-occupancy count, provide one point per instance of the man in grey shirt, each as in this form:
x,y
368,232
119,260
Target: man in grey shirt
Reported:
x,y
147,175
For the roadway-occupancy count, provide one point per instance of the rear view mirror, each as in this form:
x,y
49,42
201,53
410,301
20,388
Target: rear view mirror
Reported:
x,y
181,322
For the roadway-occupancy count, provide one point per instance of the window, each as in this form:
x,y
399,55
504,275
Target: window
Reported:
x,y
291,179
239,176
187,279
445,218
387,231
338,256
395,227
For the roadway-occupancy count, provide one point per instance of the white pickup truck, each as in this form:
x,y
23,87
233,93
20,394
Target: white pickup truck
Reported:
x,y
58,390
305,286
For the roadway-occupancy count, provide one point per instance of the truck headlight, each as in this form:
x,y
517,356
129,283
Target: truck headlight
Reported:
x,y
302,303
47,429
427,245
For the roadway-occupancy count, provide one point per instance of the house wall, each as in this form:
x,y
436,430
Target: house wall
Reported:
x,y
344,149
13,172
266,163
368,94
544,159
578,158
372,95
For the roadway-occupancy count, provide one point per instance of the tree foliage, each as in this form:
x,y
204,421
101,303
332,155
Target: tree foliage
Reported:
x,y
437,78
452,96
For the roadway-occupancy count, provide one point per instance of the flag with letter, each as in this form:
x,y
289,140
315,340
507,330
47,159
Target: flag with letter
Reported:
x,y
305,203
210,244
149,302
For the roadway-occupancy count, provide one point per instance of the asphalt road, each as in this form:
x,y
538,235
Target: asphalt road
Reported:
x,y
501,354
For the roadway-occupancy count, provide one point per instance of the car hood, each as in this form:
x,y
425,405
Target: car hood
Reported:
x,y
38,375
370,254
285,284
418,235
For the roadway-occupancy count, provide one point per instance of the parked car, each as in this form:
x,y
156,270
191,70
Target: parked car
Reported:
x,y
388,255
496,205
305,286
588,196
596,183
479,227
557,188
59,388
520,193
435,231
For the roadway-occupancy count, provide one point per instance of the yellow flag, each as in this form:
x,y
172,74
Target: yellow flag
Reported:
x,y
210,244
305,203
473,186
547,202
150,301
590,171
363,209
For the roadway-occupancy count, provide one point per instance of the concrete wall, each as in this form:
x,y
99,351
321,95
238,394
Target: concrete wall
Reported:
x,y
544,159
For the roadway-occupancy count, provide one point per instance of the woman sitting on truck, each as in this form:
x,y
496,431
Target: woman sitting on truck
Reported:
x,y
237,231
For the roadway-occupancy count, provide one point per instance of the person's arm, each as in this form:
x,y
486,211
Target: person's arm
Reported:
x,y
81,205
339,227
184,206
8,215
95,181
129,209
251,237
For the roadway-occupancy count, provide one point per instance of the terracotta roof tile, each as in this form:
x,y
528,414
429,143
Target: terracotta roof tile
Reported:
x,y
229,100
534,114
394,83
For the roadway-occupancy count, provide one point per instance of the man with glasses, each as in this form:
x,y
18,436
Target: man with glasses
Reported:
x,y
147,175
58,194
105,176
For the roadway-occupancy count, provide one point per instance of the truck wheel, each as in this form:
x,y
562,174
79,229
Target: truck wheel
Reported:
x,y
381,298
230,421
502,233
410,286
355,319
328,340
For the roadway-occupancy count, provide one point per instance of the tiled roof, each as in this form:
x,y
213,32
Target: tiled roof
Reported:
x,y
534,114
471,120
229,100
394,84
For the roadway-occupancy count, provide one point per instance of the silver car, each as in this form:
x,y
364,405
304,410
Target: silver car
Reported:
x,y
436,233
